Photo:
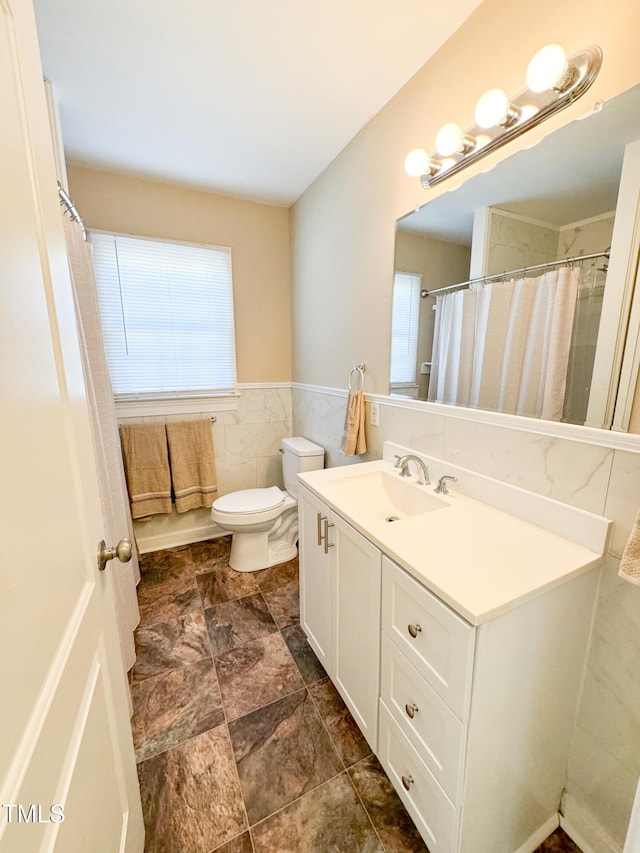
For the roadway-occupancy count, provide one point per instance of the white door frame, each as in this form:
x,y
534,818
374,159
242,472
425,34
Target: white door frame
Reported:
x,y
617,355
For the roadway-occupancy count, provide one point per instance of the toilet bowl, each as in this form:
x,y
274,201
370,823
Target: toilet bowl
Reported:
x,y
264,522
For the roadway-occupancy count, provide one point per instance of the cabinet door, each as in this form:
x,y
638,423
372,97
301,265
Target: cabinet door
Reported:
x,y
315,576
356,658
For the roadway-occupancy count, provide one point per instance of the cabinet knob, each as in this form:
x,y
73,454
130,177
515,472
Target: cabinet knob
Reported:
x,y
411,710
407,781
414,630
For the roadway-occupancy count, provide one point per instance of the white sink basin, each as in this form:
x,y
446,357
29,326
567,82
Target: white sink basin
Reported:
x,y
387,496
495,546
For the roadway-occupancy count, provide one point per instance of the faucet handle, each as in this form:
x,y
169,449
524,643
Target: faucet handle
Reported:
x,y
402,463
441,488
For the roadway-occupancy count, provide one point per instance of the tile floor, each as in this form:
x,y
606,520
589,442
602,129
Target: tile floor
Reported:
x,y
242,742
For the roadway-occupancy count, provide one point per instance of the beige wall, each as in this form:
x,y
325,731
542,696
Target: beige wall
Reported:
x,y
258,235
343,225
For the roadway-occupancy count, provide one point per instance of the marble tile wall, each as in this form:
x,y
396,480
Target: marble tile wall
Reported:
x,y
584,238
515,243
247,450
605,758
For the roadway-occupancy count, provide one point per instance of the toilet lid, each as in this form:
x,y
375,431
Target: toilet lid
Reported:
x,y
250,500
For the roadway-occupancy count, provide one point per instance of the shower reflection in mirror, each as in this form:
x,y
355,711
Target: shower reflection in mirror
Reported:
x,y
520,342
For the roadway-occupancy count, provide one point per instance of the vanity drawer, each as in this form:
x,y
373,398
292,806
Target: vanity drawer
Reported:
x,y
431,726
437,641
433,813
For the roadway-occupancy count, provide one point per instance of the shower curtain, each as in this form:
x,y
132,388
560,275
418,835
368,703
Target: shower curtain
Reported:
x,y
113,493
505,346
583,344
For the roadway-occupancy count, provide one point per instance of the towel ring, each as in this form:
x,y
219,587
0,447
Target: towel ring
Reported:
x,y
359,369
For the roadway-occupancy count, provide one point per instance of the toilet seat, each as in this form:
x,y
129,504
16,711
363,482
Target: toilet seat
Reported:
x,y
251,506
250,500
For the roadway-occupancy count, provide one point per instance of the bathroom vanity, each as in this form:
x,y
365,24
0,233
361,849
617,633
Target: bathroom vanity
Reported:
x,y
455,627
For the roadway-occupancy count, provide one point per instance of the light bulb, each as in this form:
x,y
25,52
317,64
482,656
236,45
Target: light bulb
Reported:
x,y
450,139
528,111
416,162
547,68
492,108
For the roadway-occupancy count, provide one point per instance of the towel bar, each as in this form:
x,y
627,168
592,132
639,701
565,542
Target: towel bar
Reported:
x,y
359,368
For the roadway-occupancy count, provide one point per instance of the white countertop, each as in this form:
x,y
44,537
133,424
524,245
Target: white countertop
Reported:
x,y
481,560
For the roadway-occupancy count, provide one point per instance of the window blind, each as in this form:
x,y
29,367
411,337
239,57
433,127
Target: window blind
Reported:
x,y
404,327
167,316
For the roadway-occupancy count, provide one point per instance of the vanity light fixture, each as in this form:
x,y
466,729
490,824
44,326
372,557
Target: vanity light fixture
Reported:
x,y
451,139
549,69
554,82
417,163
494,108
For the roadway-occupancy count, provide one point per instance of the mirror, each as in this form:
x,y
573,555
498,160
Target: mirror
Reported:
x,y
554,201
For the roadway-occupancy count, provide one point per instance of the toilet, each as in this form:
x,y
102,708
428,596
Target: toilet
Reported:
x,y
264,522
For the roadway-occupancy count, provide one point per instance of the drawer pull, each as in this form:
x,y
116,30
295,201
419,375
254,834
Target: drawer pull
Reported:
x,y
327,544
414,630
411,710
319,528
407,781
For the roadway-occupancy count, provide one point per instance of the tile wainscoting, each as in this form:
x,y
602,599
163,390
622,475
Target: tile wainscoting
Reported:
x,y
247,449
602,478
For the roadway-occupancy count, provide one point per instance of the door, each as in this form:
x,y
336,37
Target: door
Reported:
x,y
315,575
67,770
356,658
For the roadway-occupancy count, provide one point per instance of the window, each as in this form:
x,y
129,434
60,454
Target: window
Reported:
x,y
404,328
167,317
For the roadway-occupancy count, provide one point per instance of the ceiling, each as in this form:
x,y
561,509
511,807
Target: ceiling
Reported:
x,y
571,175
246,98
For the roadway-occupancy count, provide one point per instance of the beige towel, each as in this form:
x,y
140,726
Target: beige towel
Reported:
x,y
630,563
193,469
353,439
146,463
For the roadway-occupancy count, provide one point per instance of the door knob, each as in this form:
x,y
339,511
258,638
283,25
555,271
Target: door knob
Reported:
x,y
122,551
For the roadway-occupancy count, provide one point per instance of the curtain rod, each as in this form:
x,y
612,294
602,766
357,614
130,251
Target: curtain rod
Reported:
x,y
547,265
65,200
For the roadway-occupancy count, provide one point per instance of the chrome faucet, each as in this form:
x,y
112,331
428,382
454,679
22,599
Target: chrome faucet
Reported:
x,y
402,462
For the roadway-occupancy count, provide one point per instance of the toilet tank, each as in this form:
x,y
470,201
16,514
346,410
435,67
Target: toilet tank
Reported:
x,y
299,455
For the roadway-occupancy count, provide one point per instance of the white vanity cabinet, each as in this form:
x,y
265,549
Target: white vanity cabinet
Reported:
x,y
457,636
472,722
475,722
340,572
